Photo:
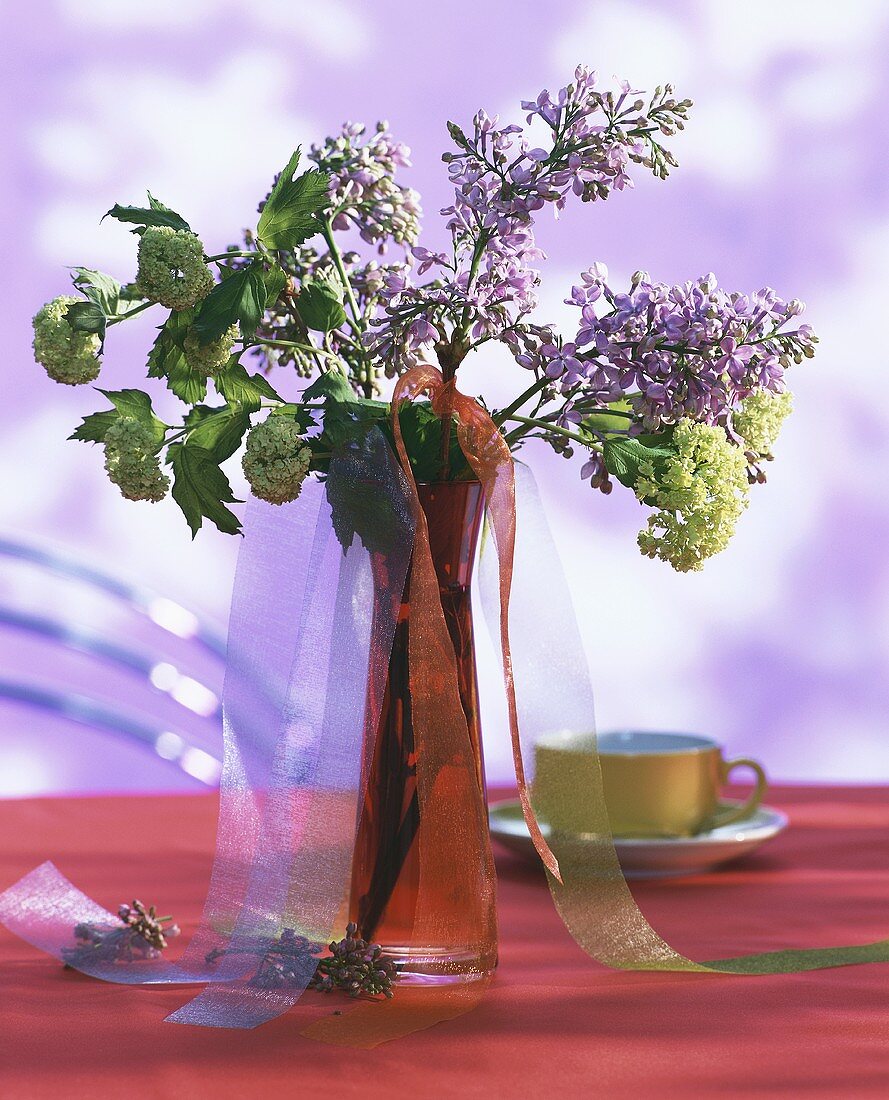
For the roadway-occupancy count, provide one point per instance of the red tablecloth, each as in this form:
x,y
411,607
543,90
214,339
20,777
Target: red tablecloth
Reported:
x,y
553,1023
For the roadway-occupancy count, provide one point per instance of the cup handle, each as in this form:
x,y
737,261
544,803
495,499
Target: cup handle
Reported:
x,y
739,813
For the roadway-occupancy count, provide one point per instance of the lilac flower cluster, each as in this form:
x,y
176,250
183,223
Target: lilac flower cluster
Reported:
x,y
363,188
672,352
140,935
353,966
356,967
487,285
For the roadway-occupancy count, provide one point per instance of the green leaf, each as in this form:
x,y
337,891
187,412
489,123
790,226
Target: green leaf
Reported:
x,y
92,428
289,216
239,387
188,384
359,504
168,343
99,288
154,214
86,317
421,431
129,293
320,304
167,359
156,204
201,489
301,415
332,386
253,300
275,279
624,456
218,430
105,299
137,404
134,403
605,421
239,298
347,418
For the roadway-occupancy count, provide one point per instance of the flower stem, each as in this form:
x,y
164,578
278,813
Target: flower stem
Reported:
x,y
358,322
232,255
532,423
506,414
130,313
327,233
176,435
310,348
477,253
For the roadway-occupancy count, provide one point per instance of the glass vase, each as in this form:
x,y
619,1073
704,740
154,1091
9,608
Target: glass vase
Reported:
x,y
386,867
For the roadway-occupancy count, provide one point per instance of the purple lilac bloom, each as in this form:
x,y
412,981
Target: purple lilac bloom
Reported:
x,y
690,350
562,363
487,287
364,192
593,470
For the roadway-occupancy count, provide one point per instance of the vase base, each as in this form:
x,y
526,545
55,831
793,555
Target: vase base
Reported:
x,y
431,967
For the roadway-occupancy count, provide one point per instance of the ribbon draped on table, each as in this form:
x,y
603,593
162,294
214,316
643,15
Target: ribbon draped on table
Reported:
x,y
308,651
301,632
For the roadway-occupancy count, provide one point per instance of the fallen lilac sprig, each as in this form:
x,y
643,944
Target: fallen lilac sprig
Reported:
x,y
142,936
354,966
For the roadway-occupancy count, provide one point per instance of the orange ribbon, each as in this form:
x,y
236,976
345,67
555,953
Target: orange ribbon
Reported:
x,y
488,455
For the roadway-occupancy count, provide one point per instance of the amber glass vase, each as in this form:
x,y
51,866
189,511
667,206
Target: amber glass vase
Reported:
x,y
386,868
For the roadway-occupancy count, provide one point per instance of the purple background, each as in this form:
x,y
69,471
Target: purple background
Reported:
x,y
780,648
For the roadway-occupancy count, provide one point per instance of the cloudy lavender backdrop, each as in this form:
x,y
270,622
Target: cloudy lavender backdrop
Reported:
x,y
781,647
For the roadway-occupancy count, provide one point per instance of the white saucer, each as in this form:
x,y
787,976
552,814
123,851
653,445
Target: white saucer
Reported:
x,y
655,857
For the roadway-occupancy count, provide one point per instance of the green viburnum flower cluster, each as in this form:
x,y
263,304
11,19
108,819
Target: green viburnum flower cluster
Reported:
x,y
171,269
68,356
276,460
213,316
131,461
700,493
209,359
759,420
